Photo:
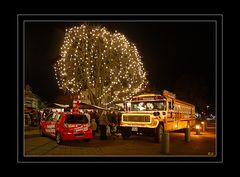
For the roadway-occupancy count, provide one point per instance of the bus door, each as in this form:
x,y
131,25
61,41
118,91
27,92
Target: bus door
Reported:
x,y
170,109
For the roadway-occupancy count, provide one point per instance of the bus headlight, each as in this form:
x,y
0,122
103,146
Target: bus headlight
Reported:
x,y
156,113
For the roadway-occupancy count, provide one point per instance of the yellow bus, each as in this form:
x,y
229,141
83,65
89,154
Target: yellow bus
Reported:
x,y
152,114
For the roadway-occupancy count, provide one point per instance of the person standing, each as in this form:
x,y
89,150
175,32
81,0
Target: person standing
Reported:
x,y
103,122
96,117
93,126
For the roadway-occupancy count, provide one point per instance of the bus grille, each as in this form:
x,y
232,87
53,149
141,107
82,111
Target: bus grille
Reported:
x,y
136,118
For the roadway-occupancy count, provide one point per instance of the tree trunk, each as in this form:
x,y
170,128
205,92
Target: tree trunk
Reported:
x,y
92,97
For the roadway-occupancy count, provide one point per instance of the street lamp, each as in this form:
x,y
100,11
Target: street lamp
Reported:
x,y
207,110
203,126
197,129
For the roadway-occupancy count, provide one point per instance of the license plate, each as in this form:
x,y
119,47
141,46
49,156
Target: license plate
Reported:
x,y
134,129
78,129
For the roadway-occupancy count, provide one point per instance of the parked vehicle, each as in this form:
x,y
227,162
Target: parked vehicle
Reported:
x,y
152,114
65,126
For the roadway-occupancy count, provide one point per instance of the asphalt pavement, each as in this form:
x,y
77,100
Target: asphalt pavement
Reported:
x,y
200,145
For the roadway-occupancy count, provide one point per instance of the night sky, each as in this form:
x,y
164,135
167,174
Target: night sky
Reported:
x,y
169,50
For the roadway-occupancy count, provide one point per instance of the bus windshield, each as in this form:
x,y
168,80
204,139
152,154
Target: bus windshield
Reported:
x,y
148,106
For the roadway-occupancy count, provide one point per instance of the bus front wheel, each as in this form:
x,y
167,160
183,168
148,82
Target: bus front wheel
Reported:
x,y
126,133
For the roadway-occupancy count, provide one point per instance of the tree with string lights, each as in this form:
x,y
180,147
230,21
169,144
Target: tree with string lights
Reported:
x,y
105,64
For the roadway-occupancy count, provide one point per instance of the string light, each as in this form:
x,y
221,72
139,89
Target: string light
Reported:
x,y
107,63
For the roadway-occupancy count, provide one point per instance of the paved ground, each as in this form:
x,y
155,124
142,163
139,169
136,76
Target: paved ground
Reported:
x,y
203,145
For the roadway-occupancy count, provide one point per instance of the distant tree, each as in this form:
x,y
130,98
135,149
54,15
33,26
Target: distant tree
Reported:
x,y
105,64
193,90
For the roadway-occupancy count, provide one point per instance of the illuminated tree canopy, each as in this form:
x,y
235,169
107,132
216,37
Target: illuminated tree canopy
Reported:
x,y
105,64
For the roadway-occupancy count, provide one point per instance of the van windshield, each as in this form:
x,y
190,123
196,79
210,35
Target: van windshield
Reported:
x,y
76,119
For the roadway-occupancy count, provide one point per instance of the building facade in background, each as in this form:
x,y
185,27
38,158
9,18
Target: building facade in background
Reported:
x,y
32,100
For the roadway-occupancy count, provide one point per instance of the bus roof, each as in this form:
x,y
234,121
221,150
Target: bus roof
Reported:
x,y
148,97
183,102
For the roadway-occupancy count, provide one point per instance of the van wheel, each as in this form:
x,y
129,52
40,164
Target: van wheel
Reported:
x,y
159,133
58,138
126,132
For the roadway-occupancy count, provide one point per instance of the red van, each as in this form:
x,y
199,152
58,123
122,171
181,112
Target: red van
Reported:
x,y
66,126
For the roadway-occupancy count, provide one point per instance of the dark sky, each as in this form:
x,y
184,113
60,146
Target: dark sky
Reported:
x,y
169,51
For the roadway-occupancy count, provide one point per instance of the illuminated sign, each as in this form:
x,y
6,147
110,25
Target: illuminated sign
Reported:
x,y
147,98
76,104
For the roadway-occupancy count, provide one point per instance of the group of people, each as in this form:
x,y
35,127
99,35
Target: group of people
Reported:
x,y
107,119
37,115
